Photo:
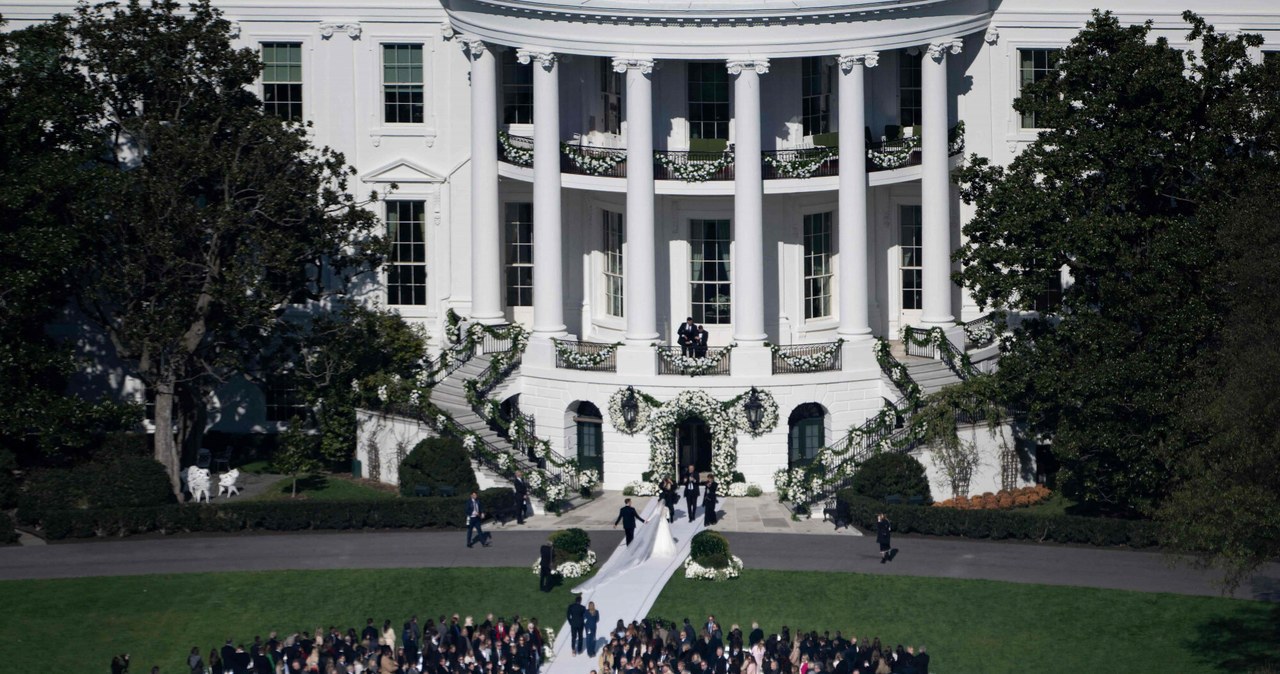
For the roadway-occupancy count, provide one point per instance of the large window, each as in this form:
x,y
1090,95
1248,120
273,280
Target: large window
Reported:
x,y
1048,301
611,86
709,273
912,276
815,96
519,230
817,265
805,437
1033,66
517,90
282,79
909,89
407,268
402,83
615,235
283,400
708,100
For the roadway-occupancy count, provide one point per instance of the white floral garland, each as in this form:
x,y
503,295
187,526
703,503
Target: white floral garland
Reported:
x,y
742,489
516,155
806,163
692,365
768,419
983,332
694,171
579,359
615,412
593,164
641,488
588,478
696,571
576,569
811,362
896,158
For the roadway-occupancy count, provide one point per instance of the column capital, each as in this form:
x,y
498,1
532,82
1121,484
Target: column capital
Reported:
x,y
472,47
622,64
936,50
869,59
735,66
992,35
545,59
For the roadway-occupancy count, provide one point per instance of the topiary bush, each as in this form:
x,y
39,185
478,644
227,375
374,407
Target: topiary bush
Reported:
x,y
572,541
435,463
716,561
708,544
885,474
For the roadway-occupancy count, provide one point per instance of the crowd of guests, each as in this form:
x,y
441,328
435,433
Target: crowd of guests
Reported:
x,y
451,645
659,647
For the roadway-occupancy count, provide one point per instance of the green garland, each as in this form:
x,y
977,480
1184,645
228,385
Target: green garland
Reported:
x,y
937,337
810,363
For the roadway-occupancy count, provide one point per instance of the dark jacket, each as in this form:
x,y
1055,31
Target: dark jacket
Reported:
x,y
590,620
576,614
628,516
691,488
882,532
687,333
474,511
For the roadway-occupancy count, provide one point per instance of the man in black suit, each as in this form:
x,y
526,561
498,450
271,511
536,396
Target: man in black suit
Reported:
x,y
522,496
756,636
687,336
691,489
577,616
700,348
474,515
628,516
228,653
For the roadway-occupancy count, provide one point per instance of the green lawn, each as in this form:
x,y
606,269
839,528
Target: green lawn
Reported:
x,y
985,626
157,619
322,488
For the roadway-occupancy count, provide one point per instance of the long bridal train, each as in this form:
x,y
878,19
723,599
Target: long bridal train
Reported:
x,y
653,540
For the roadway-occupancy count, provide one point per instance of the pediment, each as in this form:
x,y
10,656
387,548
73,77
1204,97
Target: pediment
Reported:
x,y
402,171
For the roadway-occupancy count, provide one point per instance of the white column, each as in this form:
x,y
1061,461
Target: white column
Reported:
x,y
935,184
486,236
855,319
639,270
748,203
548,267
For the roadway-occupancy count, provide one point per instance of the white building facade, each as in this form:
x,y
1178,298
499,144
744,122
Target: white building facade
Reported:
x,y
598,171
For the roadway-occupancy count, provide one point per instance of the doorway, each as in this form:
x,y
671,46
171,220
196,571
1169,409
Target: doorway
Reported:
x,y
693,445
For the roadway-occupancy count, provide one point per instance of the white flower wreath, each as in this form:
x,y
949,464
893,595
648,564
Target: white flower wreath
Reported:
x,y
694,570
615,412
768,420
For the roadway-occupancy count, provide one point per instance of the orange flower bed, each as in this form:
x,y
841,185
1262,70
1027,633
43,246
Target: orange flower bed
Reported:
x,y
1002,500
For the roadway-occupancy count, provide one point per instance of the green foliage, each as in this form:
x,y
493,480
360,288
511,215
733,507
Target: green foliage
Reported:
x,y
421,513
1000,524
707,544
125,482
8,482
7,533
714,561
1139,138
47,489
885,474
298,453
438,462
574,541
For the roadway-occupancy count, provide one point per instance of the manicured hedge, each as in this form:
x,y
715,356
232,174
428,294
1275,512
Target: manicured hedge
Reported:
x,y
706,544
998,524
417,513
7,533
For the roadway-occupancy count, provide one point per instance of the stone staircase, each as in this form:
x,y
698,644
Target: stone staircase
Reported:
x,y
449,396
930,374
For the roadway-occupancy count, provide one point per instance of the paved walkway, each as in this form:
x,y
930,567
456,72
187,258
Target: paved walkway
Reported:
x,y
759,514
517,546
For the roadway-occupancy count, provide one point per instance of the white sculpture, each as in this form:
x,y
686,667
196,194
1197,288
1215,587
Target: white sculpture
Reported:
x,y
198,482
227,482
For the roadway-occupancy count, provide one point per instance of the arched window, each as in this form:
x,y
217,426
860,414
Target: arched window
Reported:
x,y
807,433
589,425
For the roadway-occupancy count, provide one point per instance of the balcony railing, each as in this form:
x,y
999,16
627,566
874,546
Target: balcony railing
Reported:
x,y
671,361
794,358
589,356
913,341
815,162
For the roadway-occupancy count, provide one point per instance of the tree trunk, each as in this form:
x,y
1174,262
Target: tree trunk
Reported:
x,y
165,443
295,487
191,415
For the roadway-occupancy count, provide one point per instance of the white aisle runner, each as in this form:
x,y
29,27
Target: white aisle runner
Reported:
x,y
626,585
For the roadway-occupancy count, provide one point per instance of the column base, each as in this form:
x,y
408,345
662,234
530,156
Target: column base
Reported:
x,y
540,353
753,359
637,360
857,354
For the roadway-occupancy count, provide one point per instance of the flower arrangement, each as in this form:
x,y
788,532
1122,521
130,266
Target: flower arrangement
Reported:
x,y
641,488
642,416
896,157
1001,500
576,569
691,365
578,359
737,409
516,155
955,143
694,171
595,164
694,570
981,332
812,362
588,478
662,429
804,164
452,326
744,489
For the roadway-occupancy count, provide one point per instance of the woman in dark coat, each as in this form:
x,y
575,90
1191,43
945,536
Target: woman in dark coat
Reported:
x,y
667,491
709,502
882,537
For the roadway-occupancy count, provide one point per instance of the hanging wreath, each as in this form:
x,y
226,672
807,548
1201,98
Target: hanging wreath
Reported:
x,y
643,403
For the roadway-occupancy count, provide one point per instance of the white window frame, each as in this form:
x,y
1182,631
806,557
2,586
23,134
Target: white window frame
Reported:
x,y
393,263
614,251
829,256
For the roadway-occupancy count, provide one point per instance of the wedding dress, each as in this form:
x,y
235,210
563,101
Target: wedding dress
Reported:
x,y
653,540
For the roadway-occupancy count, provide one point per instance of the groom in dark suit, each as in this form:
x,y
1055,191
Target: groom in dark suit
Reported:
x,y
687,337
474,516
628,516
691,490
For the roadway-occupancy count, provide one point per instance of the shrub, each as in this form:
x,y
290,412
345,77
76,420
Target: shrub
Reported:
x,y
716,561
7,533
8,484
572,541
978,522
45,490
125,482
1003,499
707,544
118,445
885,474
438,462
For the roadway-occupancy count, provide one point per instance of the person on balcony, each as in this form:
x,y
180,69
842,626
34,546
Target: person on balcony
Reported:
x,y
700,346
687,336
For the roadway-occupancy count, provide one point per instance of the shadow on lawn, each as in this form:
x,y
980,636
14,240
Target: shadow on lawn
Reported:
x,y
1249,642
308,483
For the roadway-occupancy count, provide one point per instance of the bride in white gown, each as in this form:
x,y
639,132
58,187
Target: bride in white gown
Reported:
x,y
653,540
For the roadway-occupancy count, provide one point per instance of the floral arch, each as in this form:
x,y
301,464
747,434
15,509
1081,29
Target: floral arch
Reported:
x,y
724,419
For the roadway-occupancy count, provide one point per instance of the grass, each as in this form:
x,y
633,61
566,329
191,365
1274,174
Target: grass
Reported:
x,y
322,488
157,619
987,626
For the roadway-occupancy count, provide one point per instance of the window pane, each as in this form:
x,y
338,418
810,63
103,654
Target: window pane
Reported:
x,y
614,237
1033,66
402,84
709,271
909,89
282,79
518,226
910,233
406,269
817,265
